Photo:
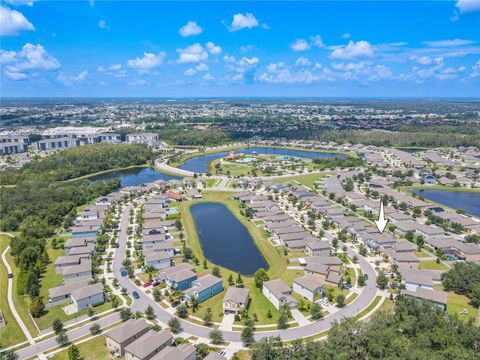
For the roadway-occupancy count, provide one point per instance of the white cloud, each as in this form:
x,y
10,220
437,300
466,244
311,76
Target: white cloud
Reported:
x,y
70,80
466,6
212,48
20,2
346,36
147,62
31,57
303,45
103,25
192,54
448,43
348,66
190,28
246,48
15,75
243,21
302,61
353,50
196,69
475,70
300,45
13,22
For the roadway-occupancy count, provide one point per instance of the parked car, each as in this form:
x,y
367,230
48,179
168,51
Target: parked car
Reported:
x,y
366,276
175,303
147,284
117,245
135,295
123,272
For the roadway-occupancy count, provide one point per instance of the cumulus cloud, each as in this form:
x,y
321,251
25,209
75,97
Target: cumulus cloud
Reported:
x,y
353,50
466,6
190,28
243,21
300,45
20,2
13,22
70,80
303,45
31,57
149,61
116,70
241,70
103,25
192,54
212,48
194,70
448,43
475,70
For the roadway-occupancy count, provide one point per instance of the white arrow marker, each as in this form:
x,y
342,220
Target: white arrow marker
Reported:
x,y
381,222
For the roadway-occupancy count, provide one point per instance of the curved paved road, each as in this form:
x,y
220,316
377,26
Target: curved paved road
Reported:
x,y
361,302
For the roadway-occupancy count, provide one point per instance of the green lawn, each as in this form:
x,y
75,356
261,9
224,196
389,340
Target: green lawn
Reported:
x,y
56,312
215,304
209,183
11,333
93,349
307,180
457,303
50,278
431,265
387,306
369,307
421,254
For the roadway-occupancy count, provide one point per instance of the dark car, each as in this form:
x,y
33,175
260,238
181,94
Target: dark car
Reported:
x,y
135,295
175,303
10,275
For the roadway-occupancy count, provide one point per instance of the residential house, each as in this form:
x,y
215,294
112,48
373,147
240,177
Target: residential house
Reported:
x,y
159,260
315,247
121,336
62,293
87,296
413,281
235,300
439,298
148,345
308,286
181,352
279,293
82,271
204,288
178,277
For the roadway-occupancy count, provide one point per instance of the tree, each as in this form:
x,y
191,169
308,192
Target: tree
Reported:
x,y
157,294
216,271
282,321
247,335
37,307
95,329
207,318
216,336
73,352
362,250
125,314
174,325
57,326
316,311
340,300
230,280
114,302
8,355
239,280
149,312
259,277
62,338
182,311
205,264
361,280
90,311
201,350
382,281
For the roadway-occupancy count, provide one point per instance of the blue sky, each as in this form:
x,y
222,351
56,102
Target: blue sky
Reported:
x,y
184,49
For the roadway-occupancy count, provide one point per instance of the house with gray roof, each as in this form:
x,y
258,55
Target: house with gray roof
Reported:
x,y
235,300
439,298
87,296
62,293
279,293
316,247
204,288
121,336
413,280
148,345
181,352
82,271
308,287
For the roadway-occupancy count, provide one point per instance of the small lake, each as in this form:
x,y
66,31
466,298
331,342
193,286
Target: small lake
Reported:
x,y
199,164
225,240
134,176
470,201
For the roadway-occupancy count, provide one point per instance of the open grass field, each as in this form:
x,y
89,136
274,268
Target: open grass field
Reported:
x,y
431,265
457,304
93,349
307,179
11,333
